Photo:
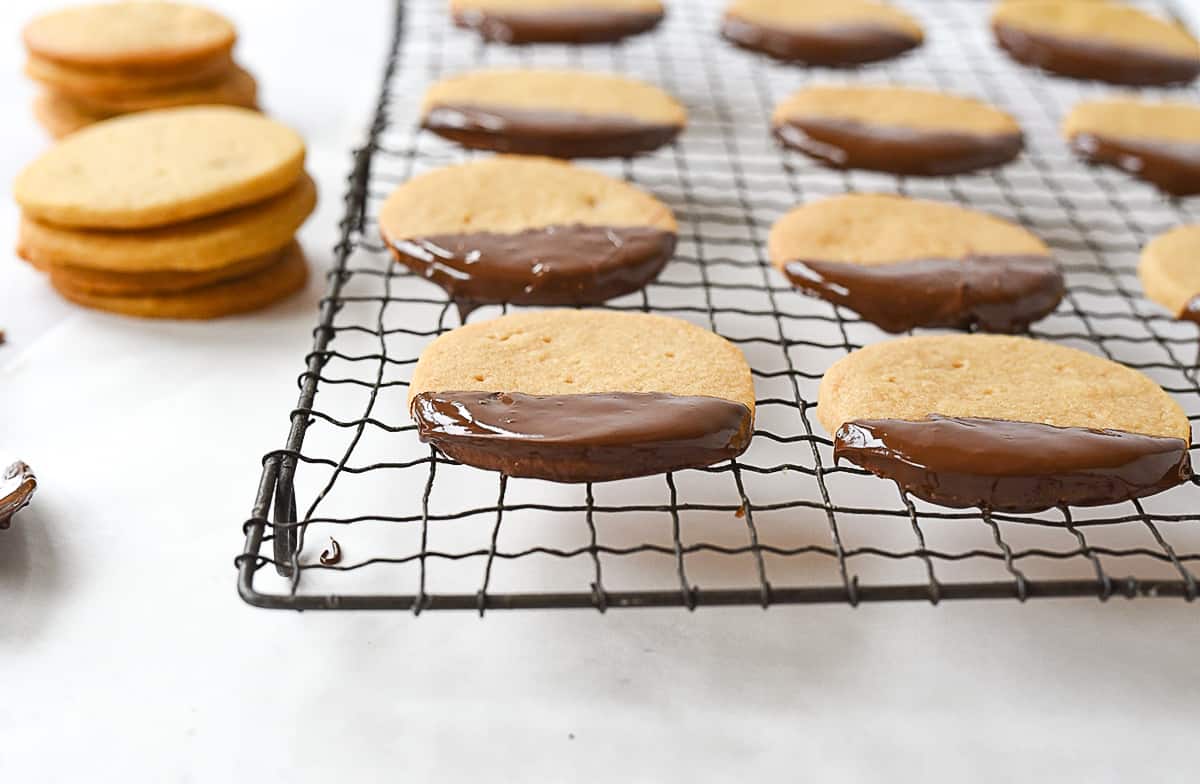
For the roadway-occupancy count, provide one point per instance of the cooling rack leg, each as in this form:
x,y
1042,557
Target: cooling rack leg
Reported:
x,y
287,537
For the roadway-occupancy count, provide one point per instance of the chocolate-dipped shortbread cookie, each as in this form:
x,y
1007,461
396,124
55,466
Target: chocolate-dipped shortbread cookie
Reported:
x,y
1004,423
896,129
565,114
583,396
533,231
557,21
902,263
1170,271
822,32
1154,141
1095,39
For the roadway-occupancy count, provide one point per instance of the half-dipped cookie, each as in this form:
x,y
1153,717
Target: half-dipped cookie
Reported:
x,y
1154,141
583,395
902,263
534,231
1096,39
1170,271
1004,423
564,114
899,130
557,21
822,32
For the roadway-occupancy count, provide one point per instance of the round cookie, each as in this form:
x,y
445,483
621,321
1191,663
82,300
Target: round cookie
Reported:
x,y
1170,271
1095,39
129,34
902,263
115,81
532,231
235,88
61,116
583,396
86,281
155,168
565,114
896,129
1004,423
241,295
824,32
1155,141
556,21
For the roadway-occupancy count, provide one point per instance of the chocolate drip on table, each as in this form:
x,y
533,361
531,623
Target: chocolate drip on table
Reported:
x,y
1172,166
853,144
992,293
839,44
582,438
17,485
1012,466
1083,59
570,26
559,134
552,265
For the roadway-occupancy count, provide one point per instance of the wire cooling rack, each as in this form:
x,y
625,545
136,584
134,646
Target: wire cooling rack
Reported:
x,y
781,524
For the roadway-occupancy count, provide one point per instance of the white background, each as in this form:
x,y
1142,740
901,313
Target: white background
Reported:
x,y
126,655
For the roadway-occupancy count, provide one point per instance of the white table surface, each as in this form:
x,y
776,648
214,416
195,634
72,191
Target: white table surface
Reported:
x,y
126,655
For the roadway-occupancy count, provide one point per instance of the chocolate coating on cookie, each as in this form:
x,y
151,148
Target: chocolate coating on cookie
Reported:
x,y
1158,142
829,34
556,22
1011,466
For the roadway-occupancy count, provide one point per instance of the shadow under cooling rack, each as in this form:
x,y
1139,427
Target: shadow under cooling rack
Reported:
x,y
781,524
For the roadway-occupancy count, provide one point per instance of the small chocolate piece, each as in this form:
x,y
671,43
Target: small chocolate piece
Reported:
x,y
993,293
331,555
1013,466
1192,311
851,144
1095,59
1174,167
569,26
16,489
582,438
559,134
840,44
552,265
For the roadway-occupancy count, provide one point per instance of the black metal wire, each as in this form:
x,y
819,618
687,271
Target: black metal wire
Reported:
x,y
726,184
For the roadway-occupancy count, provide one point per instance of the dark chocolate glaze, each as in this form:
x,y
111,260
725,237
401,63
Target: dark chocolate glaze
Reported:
x,y
1191,311
555,133
582,438
1092,59
851,144
567,26
553,265
332,555
1174,167
17,484
840,44
991,293
1013,466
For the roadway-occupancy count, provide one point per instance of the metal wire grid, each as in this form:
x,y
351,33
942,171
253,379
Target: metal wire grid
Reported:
x,y
781,524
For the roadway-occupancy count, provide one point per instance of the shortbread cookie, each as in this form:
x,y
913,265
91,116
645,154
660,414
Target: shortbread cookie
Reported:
x,y
195,246
255,291
902,263
115,81
84,280
1004,423
1170,271
896,129
822,32
583,396
61,116
1094,39
1155,141
129,34
236,88
156,168
561,21
566,114
528,231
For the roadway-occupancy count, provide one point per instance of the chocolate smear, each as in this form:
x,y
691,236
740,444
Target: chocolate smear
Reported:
x,y
1191,311
1093,59
1012,466
17,485
852,144
552,265
568,26
582,438
1172,166
559,134
331,555
992,293
836,44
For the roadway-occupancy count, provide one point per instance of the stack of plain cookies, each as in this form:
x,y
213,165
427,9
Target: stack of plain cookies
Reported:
x,y
100,61
179,213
